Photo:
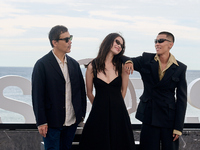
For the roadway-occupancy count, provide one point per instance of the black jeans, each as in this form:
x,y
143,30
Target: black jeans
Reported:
x,y
157,138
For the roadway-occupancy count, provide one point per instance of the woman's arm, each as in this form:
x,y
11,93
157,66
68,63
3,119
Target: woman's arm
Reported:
x,y
89,83
125,78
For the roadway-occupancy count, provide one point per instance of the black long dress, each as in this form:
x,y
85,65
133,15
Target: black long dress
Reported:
x,y
108,126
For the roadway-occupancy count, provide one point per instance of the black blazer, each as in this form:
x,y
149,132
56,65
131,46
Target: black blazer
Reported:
x,y
163,103
48,91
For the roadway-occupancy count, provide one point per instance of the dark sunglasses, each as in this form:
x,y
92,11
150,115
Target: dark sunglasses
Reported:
x,y
118,43
67,39
161,40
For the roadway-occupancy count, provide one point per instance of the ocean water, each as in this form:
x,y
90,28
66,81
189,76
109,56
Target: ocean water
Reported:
x,y
16,93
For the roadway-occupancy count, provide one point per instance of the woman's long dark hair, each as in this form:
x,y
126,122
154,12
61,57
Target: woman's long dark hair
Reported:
x,y
104,49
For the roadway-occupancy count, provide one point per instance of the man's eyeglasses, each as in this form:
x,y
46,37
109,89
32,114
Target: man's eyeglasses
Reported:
x,y
118,43
161,40
67,39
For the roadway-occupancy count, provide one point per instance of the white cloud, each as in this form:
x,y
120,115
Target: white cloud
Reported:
x,y
110,14
19,24
91,20
7,9
39,1
86,39
151,25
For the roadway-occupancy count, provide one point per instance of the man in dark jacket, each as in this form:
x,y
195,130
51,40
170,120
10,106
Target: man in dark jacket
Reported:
x,y
58,92
163,103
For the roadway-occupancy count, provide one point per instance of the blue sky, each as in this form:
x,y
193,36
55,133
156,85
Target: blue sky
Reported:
x,y
25,24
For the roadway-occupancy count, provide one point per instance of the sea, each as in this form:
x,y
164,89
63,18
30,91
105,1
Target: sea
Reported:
x,y
13,92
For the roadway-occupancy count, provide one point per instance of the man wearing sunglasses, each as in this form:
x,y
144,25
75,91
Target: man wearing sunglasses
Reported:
x,y
58,92
163,103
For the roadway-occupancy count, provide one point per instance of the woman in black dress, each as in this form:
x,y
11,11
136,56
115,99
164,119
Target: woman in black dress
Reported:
x,y
108,126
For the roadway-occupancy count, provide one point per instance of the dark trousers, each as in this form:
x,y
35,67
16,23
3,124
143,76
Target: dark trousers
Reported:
x,y
60,138
157,138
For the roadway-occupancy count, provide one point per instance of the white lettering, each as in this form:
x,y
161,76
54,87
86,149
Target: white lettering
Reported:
x,y
130,98
13,105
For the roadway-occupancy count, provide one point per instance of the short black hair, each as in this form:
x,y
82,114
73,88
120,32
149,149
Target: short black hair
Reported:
x,y
55,32
168,34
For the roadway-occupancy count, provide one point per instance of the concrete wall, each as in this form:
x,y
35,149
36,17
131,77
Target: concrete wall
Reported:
x,y
31,140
